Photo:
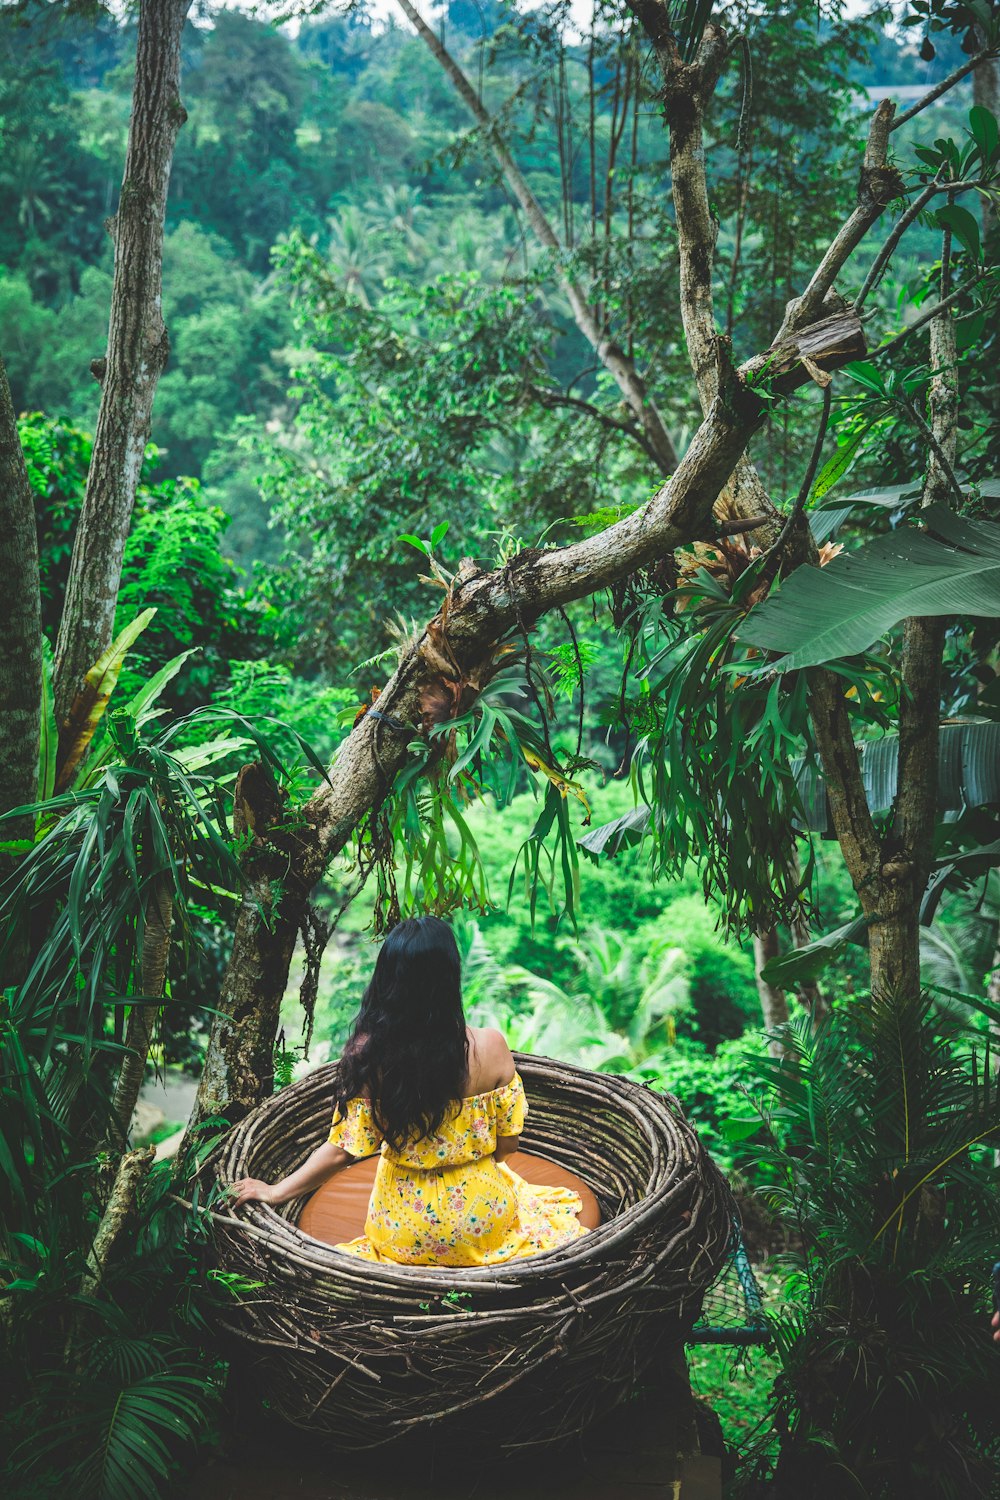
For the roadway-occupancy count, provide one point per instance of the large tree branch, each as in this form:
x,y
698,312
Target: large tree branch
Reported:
x,y
485,606
611,355
687,89
481,609
136,355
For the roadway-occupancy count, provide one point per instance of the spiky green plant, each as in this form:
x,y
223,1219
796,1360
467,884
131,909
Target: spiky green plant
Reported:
x,y
879,1130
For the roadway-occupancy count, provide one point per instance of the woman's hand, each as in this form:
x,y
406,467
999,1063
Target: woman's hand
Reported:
x,y
320,1165
251,1190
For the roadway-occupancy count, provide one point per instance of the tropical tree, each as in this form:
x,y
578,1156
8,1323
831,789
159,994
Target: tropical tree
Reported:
x,y
740,669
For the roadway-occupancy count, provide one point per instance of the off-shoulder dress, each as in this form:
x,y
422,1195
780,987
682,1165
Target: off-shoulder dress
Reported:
x,y
444,1199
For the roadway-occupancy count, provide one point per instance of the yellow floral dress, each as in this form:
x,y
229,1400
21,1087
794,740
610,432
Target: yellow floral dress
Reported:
x,y
443,1200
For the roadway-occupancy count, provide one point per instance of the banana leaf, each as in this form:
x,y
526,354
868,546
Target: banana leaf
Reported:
x,y
823,614
805,964
620,833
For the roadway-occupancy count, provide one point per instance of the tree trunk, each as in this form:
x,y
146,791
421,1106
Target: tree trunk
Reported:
x,y
20,656
986,93
894,932
20,630
614,359
239,1064
136,354
120,1210
773,1004
155,954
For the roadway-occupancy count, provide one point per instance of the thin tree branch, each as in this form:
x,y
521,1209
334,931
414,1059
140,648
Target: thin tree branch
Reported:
x,y
901,226
734,528
942,88
928,316
612,357
938,452
883,257
879,185
775,553
553,399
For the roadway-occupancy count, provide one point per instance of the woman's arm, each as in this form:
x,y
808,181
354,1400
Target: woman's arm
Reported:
x,y
506,1146
318,1167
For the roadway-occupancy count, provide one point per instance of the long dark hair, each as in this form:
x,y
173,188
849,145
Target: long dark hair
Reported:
x,y
409,1049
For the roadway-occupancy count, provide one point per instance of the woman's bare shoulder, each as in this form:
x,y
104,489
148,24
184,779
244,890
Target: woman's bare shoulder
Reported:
x,y
491,1062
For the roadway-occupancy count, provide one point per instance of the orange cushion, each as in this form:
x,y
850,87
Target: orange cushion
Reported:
x,y
337,1211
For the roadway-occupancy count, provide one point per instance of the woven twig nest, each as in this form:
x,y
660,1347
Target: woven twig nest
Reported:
x,y
527,1351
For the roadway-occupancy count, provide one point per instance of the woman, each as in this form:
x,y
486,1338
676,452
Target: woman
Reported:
x,y
445,1104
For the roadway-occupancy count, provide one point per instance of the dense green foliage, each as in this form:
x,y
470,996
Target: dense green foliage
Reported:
x,y
374,375
878,1147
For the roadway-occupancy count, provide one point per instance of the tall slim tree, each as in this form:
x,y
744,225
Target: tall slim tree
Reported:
x,y
135,358
136,354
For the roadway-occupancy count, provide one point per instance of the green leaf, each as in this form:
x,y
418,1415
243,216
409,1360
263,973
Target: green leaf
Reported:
x,y
740,1130
985,132
478,742
888,496
866,374
620,833
837,466
414,541
963,226
928,156
439,533
92,699
803,965
821,614
151,690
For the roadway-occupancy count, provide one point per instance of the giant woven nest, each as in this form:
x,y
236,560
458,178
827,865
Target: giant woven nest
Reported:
x,y
529,1351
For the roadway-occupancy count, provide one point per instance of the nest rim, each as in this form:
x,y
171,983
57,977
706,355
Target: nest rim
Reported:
x,y
264,1220
367,1352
